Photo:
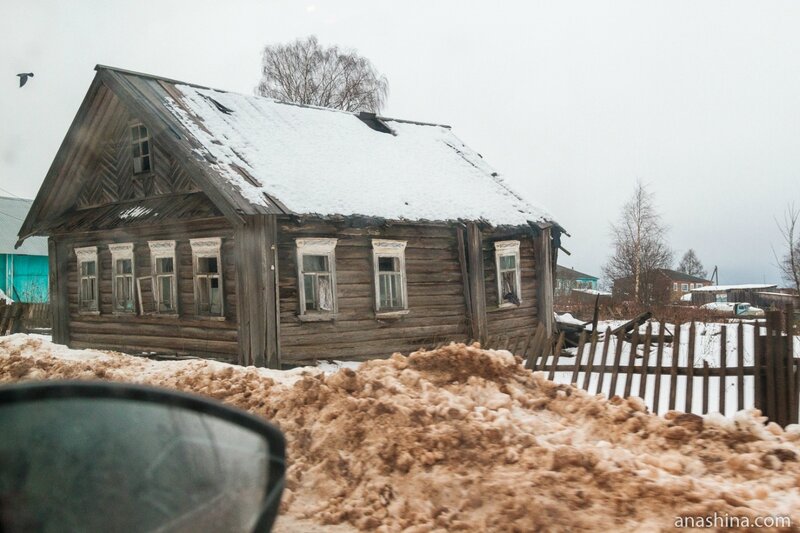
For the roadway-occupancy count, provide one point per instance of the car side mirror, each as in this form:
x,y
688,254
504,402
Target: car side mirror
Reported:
x,y
100,456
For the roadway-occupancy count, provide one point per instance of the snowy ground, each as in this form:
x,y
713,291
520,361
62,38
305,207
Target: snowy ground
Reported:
x,y
708,342
466,439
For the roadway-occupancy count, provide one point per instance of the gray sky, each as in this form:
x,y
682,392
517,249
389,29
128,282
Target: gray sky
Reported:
x,y
572,101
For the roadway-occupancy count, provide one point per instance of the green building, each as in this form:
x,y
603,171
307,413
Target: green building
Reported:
x,y
23,271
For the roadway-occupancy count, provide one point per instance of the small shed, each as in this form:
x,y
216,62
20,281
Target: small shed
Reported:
x,y
23,271
747,292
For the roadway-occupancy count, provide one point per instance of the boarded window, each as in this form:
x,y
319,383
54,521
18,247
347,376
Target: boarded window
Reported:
x,y
207,276
390,275
509,278
141,149
316,274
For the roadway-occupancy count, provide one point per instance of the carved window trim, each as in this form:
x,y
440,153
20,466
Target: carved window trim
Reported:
x,y
317,246
393,282
207,248
164,250
88,284
122,252
508,249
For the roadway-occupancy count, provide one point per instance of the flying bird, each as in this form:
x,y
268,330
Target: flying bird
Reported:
x,y
23,77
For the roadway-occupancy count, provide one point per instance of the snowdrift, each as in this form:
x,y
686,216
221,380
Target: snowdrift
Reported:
x,y
465,439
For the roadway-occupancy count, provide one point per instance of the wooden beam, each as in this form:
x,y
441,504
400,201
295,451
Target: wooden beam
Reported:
x,y
256,291
59,297
544,278
477,287
462,261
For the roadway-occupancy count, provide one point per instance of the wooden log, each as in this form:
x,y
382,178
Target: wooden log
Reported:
x,y
690,367
615,369
548,349
556,355
705,387
603,360
659,362
723,367
673,373
740,367
578,357
588,374
759,401
476,280
631,362
645,360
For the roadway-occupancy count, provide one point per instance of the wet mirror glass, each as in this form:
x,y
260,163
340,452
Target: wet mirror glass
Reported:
x,y
86,464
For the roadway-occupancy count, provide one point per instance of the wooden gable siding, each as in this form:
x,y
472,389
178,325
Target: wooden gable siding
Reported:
x,y
510,321
108,177
437,309
186,334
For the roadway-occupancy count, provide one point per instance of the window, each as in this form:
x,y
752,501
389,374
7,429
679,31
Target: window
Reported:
x,y
316,277
389,265
162,254
509,278
684,287
207,276
675,286
140,149
122,275
87,288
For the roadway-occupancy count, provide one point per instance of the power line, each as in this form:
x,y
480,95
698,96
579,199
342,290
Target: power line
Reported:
x,y
12,216
11,193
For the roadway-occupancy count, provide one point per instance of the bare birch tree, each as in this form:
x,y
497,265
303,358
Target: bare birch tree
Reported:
x,y
305,72
640,246
789,263
690,264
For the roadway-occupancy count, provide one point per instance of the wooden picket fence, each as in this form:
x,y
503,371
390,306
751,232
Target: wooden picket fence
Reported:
x,y
770,379
24,317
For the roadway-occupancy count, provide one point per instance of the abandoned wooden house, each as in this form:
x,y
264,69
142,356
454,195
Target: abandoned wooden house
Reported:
x,y
187,220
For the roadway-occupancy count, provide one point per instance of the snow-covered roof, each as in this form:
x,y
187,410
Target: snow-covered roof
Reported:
x,y
723,288
319,161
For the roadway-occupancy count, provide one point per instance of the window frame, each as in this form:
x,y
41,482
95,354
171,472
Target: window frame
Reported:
x,y
316,246
674,286
138,141
122,251
684,287
88,254
394,249
208,247
505,249
161,250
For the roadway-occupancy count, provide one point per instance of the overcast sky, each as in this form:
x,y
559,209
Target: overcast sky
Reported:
x,y
572,101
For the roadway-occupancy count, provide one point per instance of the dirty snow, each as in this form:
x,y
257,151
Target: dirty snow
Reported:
x,y
465,439
328,162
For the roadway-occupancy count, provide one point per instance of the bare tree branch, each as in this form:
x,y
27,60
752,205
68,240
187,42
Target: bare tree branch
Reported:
x,y
789,264
307,73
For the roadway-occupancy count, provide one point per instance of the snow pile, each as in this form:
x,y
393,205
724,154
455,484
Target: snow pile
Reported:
x,y
329,162
5,298
466,439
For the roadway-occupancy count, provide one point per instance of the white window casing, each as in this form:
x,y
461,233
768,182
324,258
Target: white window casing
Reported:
x,y
88,301
164,277
123,274
684,287
509,273
141,149
390,280
675,286
316,278
207,264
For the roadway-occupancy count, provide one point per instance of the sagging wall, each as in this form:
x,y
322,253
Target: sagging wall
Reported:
x,y
437,308
186,333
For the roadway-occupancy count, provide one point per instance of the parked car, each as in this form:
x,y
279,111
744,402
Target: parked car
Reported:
x,y
743,309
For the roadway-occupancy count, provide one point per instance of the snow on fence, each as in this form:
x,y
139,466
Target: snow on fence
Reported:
x,y
696,368
28,317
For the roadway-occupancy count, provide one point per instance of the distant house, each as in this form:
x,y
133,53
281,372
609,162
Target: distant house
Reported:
x,y
184,219
568,279
23,272
662,285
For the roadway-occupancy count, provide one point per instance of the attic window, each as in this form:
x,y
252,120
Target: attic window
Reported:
x,y
140,149
508,273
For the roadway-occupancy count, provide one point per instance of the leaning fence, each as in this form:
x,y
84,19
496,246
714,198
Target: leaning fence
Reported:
x,y
695,368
